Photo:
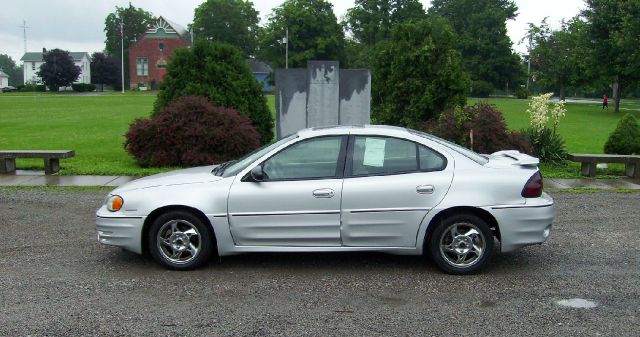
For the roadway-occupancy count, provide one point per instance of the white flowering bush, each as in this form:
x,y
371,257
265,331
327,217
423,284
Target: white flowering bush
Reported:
x,y
539,111
557,112
547,144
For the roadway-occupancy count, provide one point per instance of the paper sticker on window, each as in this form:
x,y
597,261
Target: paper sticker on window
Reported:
x,y
374,152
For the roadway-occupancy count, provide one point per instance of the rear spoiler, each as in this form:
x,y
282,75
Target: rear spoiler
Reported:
x,y
521,159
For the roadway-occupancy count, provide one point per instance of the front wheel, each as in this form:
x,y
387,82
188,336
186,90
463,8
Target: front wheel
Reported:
x,y
461,244
180,240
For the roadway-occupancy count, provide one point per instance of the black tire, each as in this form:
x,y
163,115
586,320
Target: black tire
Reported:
x,y
444,249
189,232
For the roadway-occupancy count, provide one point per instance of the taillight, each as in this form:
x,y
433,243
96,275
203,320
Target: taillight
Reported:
x,y
533,188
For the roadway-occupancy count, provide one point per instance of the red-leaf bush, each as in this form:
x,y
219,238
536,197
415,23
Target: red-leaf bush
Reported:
x,y
190,132
490,133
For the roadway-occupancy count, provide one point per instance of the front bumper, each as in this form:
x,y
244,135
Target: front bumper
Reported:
x,y
124,232
525,225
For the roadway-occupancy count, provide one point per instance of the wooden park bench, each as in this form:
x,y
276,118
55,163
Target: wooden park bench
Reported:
x,y
589,162
51,159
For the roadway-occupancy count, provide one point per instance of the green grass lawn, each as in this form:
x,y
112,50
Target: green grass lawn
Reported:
x,y
94,126
585,128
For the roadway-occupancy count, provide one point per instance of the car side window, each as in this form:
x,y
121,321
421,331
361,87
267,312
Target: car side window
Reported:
x,y
374,155
308,159
430,160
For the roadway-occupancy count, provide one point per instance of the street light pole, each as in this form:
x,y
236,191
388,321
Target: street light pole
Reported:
x,y
286,55
122,53
529,60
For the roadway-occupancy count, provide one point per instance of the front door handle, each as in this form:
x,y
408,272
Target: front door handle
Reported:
x,y
324,193
425,189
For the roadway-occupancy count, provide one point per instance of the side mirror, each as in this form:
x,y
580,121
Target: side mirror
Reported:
x,y
257,174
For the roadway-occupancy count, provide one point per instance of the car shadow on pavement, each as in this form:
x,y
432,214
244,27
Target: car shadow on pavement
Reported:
x,y
530,259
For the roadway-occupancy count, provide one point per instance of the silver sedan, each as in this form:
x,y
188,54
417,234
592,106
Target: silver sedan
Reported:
x,y
338,189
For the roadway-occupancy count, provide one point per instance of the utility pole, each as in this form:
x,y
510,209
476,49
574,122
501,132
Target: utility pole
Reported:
x,y
24,29
286,53
122,51
529,59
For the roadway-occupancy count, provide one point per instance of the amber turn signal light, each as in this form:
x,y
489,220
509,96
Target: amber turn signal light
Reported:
x,y
114,203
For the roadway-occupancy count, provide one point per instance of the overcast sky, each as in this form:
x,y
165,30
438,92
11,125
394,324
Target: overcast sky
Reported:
x,y
77,25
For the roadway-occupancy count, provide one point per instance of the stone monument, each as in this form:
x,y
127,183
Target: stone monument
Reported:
x,y
321,95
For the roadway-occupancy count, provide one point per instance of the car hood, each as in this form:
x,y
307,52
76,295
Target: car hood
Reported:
x,y
194,175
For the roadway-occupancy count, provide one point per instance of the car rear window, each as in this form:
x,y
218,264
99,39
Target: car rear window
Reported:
x,y
478,158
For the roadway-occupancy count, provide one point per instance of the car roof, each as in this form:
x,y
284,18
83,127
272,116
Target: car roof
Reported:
x,y
354,129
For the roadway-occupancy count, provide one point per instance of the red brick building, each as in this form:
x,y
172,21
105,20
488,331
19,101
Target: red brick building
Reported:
x,y
149,55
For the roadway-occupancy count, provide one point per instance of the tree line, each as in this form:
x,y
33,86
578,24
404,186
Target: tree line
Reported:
x,y
589,55
592,54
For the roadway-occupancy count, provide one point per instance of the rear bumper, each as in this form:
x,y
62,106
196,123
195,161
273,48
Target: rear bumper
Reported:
x,y
124,232
525,225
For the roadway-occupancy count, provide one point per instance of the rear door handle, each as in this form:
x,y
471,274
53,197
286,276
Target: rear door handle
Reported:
x,y
324,193
425,189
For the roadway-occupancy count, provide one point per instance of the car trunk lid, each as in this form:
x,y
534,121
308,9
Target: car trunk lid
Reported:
x,y
510,158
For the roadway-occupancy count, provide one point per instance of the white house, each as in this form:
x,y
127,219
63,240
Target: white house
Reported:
x,y
4,79
33,61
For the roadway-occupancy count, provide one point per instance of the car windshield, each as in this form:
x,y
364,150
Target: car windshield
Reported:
x,y
478,158
245,161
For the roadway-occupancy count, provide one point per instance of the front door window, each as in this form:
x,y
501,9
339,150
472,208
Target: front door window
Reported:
x,y
309,159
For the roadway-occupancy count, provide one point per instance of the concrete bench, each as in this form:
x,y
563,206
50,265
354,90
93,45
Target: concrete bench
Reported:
x,y
51,159
589,162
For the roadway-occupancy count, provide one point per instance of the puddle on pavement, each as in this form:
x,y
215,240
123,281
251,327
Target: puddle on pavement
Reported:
x,y
577,303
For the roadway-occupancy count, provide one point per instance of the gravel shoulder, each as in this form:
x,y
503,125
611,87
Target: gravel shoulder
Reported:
x,y
57,280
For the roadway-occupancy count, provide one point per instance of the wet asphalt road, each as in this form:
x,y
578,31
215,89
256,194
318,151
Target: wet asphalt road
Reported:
x,y
56,280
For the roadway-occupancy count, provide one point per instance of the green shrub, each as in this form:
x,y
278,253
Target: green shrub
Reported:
x,y
82,87
625,139
547,145
481,89
518,141
522,93
31,87
417,74
490,132
220,73
189,132
78,87
452,125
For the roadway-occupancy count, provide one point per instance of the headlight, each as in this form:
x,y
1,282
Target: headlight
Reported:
x,y
114,203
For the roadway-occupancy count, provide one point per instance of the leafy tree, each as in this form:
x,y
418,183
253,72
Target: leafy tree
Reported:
x,y
234,22
417,74
8,65
219,72
370,21
559,56
314,34
58,69
614,32
135,21
356,54
104,70
482,38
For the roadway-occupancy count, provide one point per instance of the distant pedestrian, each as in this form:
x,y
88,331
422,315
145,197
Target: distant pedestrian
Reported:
x,y
605,102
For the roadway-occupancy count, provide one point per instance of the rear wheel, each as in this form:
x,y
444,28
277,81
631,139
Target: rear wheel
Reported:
x,y
461,244
180,240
